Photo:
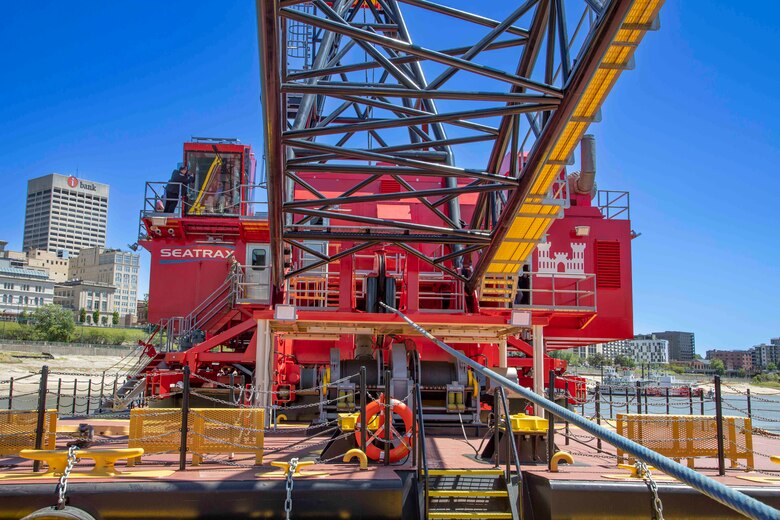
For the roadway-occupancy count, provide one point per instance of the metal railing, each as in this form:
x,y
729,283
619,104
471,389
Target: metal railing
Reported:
x,y
511,455
549,291
239,201
221,298
422,458
558,194
614,204
315,291
452,291
721,493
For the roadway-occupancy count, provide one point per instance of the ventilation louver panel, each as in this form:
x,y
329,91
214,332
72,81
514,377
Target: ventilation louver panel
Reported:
x,y
608,264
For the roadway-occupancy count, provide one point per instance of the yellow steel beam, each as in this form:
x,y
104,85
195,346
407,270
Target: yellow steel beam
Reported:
x,y
527,230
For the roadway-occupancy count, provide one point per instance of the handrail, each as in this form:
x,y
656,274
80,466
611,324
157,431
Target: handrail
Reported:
x,y
507,419
727,496
419,428
228,285
511,446
421,447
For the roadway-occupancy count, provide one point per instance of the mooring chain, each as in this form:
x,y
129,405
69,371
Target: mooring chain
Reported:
x,y
62,486
289,487
644,472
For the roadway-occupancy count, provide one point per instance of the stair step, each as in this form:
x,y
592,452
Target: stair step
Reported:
x,y
465,472
467,514
468,493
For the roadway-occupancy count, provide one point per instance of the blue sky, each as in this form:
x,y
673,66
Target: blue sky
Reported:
x,y
111,90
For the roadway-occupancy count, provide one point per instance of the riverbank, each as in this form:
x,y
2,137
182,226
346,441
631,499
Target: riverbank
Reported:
x,y
729,385
87,365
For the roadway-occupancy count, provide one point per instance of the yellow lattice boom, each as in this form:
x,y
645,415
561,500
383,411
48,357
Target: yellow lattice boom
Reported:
x,y
688,436
535,216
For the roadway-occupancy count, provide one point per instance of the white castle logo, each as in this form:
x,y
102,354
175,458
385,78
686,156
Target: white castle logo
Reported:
x,y
547,266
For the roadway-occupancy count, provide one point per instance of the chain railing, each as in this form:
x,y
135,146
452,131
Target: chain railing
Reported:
x,y
725,495
86,389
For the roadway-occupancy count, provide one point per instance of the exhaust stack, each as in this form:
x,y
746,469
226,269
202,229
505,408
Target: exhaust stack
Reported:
x,y
584,182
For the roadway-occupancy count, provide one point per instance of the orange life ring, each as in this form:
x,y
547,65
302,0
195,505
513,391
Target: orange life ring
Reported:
x,y
375,452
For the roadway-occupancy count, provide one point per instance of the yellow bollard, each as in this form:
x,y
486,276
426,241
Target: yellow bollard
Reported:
x,y
105,459
559,457
359,454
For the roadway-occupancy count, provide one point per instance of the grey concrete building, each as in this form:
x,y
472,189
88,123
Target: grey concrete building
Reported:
x,y
65,213
682,345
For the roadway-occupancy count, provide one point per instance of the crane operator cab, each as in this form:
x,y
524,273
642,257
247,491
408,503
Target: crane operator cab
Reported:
x,y
219,182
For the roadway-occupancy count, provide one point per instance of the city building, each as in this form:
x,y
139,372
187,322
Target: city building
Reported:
x,y
733,359
763,354
648,350
65,213
113,267
585,351
142,312
55,264
614,348
641,349
23,289
76,295
682,346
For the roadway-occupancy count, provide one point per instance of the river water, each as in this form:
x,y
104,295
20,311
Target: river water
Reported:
x,y
764,408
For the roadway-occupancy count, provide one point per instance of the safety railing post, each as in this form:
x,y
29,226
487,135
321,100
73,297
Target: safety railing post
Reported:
x,y
59,393
690,402
611,415
75,394
11,394
550,421
749,408
388,416
102,386
510,438
89,393
113,391
719,425
647,408
41,413
363,399
627,399
701,403
185,412
597,403
423,456
496,422
414,425
667,400
639,398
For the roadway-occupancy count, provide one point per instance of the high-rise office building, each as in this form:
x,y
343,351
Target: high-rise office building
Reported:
x,y
65,214
113,267
682,346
